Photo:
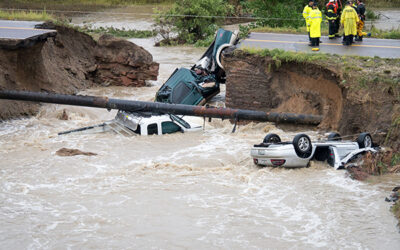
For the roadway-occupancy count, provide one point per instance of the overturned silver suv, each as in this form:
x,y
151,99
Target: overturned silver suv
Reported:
x,y
299,152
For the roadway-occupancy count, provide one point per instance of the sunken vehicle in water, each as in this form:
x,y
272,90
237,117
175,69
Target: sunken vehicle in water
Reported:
x,y
194,86
197,85
132,123
299,152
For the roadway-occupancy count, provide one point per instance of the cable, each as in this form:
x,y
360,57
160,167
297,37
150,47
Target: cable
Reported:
x,y
174,15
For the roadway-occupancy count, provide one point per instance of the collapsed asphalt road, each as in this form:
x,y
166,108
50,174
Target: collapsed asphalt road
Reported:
x,y
17,34
384,48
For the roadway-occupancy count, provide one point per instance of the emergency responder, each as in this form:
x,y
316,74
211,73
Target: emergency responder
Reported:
x,y
331,16
349,20
338,15
315,25
361,16
353,5
306,14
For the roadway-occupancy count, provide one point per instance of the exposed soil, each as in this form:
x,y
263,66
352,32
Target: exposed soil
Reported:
x,y
321,87
258,84
373,164
70,62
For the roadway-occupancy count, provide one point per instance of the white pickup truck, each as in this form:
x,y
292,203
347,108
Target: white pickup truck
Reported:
x,y
129,124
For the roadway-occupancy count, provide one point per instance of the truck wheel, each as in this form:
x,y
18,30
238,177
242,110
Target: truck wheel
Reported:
x,y
302,145
272,138
364,140
219,52
334,137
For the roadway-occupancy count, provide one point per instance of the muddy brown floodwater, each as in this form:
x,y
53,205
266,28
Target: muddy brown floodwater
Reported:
x,y
177,191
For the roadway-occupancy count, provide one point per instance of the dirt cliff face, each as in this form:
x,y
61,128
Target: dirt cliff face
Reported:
x,y
70,62
263,83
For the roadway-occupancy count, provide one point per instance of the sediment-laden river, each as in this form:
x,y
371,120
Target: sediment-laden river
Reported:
x,y
177,191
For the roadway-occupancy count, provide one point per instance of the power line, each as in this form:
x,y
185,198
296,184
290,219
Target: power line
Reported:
x,y
169,15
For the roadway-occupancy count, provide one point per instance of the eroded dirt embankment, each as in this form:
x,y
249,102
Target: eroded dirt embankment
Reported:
x,y
70,62
327,88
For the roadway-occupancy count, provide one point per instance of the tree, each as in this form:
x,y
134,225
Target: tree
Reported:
x,y
195,20
277,13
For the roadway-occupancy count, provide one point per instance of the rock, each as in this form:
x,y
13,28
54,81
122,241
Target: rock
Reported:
x,y
394,196
64,115
124,63
72,152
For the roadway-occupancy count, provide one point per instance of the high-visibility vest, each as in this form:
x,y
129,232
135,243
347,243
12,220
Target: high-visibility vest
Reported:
x,y
331,14
306,12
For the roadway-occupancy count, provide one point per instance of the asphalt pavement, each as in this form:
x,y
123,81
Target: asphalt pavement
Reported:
x,y
15,34
385,48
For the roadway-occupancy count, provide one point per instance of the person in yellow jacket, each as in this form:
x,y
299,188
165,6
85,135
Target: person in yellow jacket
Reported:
x,y
306,14
349,20
315,25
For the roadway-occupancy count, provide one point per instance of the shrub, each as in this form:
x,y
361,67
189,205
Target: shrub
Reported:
x,y
194,20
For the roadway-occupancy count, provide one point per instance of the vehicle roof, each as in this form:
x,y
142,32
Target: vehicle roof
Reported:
x,y
153,119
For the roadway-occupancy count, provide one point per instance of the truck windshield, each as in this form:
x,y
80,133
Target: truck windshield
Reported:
x,y
180,121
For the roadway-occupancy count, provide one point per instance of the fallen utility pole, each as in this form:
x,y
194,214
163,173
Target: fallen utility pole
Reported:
x,y
156,107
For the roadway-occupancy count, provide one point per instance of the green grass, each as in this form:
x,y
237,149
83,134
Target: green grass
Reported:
x,y
383,4
92,2
126,33
385,34
64,3
78,5
26,15
287,56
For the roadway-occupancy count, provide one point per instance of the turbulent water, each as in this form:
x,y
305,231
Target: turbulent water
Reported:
x,y
197,190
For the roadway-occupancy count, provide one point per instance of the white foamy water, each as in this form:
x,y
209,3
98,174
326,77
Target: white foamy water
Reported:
x,y
178,191
197,190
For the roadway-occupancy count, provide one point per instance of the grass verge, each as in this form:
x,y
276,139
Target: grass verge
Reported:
x,y
41,3
125,33
26,15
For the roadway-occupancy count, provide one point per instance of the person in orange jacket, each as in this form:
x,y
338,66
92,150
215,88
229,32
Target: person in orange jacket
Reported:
x,y
339,9
331,16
